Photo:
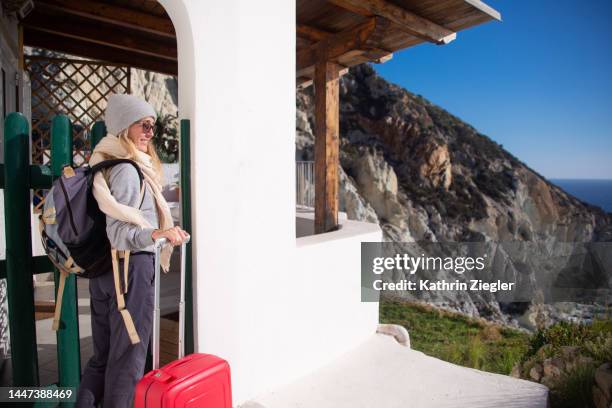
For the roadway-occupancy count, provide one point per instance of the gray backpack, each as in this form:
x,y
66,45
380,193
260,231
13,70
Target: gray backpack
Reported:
x,y
73,228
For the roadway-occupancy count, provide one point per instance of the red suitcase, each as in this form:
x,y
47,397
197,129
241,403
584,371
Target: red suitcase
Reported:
x,y
195,381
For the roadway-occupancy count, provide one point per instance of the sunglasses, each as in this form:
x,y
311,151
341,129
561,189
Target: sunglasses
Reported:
x,y
146,126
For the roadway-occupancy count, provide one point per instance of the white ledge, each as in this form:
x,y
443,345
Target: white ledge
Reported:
x,y
348,229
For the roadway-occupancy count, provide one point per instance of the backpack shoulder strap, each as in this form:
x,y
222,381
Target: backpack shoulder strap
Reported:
x,y
106,164
113,162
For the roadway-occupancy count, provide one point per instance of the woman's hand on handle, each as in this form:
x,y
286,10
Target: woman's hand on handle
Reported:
x,y
174,235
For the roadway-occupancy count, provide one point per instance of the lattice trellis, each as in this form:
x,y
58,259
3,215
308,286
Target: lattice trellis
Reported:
x,y
77,88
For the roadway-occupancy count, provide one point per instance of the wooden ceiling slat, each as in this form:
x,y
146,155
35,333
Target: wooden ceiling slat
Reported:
x,y
327,16
85,49
396,39
446,12
356,7
149,6
112,14
467,22
446,15
310,11
78,29
406,20
429,8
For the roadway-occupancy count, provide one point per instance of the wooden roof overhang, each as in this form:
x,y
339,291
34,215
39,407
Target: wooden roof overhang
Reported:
x,y
351,32
137,33
334,35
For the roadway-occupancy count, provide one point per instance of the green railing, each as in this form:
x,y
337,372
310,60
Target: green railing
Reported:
x,y
185,161
20,289
17,177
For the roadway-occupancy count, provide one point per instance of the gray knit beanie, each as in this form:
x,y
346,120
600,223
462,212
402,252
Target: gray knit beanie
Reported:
x,y
123,110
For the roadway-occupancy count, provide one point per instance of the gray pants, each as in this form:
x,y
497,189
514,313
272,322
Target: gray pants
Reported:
x,y
117,365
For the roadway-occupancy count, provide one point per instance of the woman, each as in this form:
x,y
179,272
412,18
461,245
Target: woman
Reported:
x,y
134,220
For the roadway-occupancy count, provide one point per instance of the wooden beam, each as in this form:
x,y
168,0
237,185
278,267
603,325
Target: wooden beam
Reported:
x,y
407,21
327,145
73,29
109,13
365,36
303,82
311,33
85,49
20,46
314,35
384,58
349,58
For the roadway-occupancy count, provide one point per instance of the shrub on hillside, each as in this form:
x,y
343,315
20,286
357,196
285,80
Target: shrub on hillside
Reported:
x,y
564,357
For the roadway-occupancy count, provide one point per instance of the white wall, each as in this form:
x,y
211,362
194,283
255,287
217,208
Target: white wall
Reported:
x,y
260,299
325,294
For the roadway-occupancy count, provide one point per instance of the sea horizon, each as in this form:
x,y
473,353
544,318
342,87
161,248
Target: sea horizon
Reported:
x,y
595,191
578,179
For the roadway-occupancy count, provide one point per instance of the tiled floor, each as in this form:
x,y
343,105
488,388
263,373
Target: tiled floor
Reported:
x,y
46,337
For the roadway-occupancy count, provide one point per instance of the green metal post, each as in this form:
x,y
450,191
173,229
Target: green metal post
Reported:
x,y
68,345
19,250
185,163
98,131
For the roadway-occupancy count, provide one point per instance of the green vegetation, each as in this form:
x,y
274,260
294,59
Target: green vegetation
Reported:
x,y
456,338
574,389
592,339
495,185
563,356
577,350
166,138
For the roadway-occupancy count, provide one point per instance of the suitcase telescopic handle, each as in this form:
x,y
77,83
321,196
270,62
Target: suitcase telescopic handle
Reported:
x,y
159,243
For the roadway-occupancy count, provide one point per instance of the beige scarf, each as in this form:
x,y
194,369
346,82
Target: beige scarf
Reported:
x,y
111,148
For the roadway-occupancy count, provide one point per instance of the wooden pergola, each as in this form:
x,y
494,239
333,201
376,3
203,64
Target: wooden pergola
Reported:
x,y
137,33
332,35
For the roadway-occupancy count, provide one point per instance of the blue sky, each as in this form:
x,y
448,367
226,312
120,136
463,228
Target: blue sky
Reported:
x,y
539,82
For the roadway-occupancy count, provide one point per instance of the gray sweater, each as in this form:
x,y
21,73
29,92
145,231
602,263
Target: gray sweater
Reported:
x,y
124,185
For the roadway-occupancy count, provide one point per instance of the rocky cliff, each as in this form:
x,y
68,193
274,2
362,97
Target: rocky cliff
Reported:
x,y
425,175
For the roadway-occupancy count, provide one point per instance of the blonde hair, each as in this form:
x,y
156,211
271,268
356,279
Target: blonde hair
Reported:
x,y
131,148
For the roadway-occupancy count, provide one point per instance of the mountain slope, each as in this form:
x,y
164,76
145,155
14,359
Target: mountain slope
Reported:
x,y
425,175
